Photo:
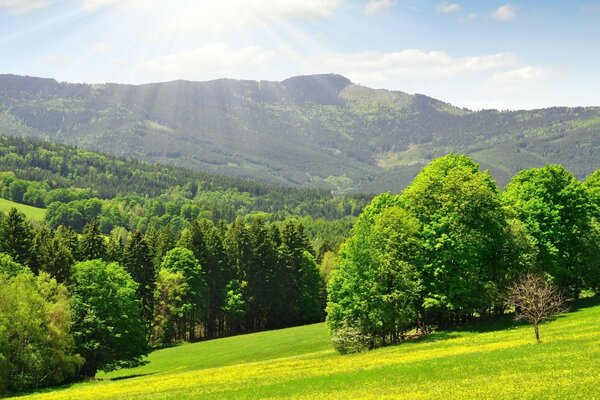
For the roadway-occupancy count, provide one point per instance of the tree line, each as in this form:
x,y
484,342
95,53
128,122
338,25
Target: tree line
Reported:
x,y
41,173
452,244
72,304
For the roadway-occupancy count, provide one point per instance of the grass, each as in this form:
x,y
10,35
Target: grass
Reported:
x,y
484,362
31,212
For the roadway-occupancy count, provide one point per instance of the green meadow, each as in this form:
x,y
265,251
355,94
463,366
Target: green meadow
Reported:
x,y
497,360
29,211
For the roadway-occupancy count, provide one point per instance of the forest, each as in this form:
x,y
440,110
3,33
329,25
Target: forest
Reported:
x,y
78,299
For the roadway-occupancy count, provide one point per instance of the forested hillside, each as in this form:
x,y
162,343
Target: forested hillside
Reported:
x,y
78,186
320,131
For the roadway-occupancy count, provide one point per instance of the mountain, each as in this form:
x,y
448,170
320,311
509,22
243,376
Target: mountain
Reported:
x,y
320,130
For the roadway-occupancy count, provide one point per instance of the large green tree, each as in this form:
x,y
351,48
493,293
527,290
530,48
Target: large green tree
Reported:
x,y
463,227
36,347
375,289
107,323
557,211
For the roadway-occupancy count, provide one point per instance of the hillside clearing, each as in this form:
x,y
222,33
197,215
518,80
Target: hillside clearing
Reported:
x,y
29,211
299,363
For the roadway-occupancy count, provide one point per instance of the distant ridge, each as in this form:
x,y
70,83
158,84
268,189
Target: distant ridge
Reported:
x,y
315,130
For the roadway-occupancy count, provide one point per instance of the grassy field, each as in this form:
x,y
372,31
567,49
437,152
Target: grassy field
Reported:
x,y
31,212
485,362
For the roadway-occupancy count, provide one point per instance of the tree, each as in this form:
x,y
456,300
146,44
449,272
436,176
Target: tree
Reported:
x,y
137,260
298,278
91,243
16,237
9,267
557,212
535,300
374,292
52,254
462,235
107,323
170,291
193,305
36,347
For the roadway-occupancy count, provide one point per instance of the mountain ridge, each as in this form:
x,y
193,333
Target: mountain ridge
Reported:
x,y
312,130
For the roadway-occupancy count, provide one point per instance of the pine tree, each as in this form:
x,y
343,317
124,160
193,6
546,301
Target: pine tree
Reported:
x,y
16,238
138,262
91,243
52,255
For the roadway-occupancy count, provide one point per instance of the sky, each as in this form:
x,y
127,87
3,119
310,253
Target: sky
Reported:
x,y
475,54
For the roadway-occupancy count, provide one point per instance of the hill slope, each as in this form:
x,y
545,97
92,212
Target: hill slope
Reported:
x,y
299,363
30,212
319,130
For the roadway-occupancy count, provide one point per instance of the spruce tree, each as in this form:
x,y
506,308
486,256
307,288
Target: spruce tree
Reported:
x,y
138,262
91,243
16,238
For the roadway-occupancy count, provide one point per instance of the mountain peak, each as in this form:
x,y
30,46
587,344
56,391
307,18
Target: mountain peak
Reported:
x,y
320,89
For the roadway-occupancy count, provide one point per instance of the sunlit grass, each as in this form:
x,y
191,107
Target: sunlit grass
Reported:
x,y
31,212
299,363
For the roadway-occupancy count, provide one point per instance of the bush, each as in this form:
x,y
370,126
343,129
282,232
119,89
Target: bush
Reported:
x,y
348,340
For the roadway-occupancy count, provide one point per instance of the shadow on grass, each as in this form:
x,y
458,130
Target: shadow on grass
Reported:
x,y
122,378
70,385
507,321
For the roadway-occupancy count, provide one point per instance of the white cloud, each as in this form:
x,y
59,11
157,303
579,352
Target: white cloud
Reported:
x,y
468,18
215,60
369,67
521,75
22,6
376,6
505,13
223,15
448,8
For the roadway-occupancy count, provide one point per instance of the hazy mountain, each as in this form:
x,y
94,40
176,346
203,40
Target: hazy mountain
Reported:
x,y
319,130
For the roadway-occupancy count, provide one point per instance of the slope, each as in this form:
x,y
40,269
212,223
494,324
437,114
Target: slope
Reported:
x,y
319,130
298,363
30,212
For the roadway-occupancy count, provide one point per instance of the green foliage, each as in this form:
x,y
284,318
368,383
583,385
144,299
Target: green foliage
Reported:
x,y
36,347
137,260
193,300
462,225
9,267
557,212
374,291
91,243
16,237
107,323
171,290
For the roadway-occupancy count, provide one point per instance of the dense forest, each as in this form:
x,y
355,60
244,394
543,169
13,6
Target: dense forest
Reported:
x,y
443,252
320,131
78,186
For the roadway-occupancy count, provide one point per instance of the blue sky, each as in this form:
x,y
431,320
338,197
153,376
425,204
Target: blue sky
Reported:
x,y
476,54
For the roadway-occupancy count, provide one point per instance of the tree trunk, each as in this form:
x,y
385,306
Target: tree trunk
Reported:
x,y
537,333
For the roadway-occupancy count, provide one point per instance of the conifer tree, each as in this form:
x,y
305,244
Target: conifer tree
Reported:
x,y
138,262
91,243
16,238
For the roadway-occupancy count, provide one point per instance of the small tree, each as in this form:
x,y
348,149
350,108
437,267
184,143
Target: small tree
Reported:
x,y
535,300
